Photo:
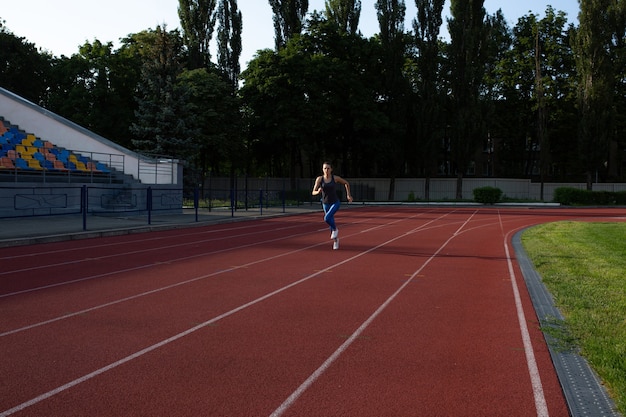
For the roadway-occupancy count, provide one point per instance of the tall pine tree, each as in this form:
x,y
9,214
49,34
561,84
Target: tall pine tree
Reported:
x,y
594,44
197,19
468,36
289,18
391,16
229,32
163,123
429,104
345,14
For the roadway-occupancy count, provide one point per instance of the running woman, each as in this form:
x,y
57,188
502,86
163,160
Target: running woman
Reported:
x,y
326,184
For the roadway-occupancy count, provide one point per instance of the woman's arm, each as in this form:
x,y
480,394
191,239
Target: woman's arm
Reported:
x,y
345,184
316,187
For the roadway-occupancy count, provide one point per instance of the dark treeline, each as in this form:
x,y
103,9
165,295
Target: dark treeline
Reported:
x,y
543,99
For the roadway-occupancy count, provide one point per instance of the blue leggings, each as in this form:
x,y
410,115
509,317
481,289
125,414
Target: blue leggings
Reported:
x,y
329,213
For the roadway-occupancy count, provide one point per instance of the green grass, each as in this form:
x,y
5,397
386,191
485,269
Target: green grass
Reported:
x,y
584,267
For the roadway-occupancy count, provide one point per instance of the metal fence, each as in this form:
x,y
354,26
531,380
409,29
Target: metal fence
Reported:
x,y
140,201
230,197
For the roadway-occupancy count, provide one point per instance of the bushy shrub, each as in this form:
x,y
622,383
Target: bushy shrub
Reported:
x,y
620,198
603,198
573,196
487,195
568,196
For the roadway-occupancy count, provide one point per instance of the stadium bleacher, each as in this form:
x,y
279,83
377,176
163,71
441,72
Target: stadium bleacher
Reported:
x,y
23,151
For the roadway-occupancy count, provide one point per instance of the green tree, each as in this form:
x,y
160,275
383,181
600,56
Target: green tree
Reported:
x,y
534,96
289,17
275,91
429,101
515,122
99,90
23,69
391,16
468,38
618,162
343,85
229,52
229,40
594,43
554,102
345,14
212,148
316,99
197,20
69,93
96,86
164,123
498,45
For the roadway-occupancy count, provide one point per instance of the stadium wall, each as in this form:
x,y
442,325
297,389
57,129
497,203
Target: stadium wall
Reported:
x,y
409,189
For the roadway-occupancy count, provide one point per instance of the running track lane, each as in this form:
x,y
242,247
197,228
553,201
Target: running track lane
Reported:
x,y
422,312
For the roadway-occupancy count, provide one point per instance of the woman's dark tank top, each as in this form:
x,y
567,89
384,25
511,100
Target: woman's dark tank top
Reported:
x,y
329,191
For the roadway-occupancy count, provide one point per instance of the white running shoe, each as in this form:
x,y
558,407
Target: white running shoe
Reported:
x,y
334,234
336,244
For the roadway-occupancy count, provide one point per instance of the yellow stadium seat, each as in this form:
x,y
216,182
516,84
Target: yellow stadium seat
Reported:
x,y
81,166
34,164
28,141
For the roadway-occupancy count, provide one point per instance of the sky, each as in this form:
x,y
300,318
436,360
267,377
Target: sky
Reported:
x,y
62,26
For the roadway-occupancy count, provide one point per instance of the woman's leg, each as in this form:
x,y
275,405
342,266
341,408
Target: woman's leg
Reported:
x,y
329,214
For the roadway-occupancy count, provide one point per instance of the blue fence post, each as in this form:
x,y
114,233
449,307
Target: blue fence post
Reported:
x,y
149,204
196,200
284,195
261,201
232,203
83,203
210,192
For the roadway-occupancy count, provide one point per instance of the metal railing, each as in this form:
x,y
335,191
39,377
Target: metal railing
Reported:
x,y
140,201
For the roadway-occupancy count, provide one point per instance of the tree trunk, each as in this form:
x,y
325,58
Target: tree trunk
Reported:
x,y
392,189
459,186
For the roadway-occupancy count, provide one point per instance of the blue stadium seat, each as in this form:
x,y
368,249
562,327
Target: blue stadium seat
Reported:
x,y
102,168
36,154
22,164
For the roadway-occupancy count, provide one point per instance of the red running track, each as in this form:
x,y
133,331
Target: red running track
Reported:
x,y
422,312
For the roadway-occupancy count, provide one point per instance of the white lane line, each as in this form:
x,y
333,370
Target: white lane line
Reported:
x,y
188,281
174,338
332,358
156,290
95,244
151,348
178,259
159,248
533,370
